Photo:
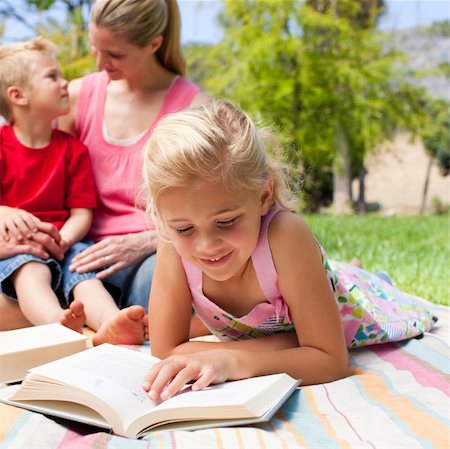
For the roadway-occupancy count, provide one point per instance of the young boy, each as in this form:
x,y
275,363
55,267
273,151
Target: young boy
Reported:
x,y
46,176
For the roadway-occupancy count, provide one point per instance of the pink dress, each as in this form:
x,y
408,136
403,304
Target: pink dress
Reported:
x,y
371,309
117,168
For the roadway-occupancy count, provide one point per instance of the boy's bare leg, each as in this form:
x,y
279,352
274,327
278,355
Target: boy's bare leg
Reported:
x,y
112,325
39,303
11,317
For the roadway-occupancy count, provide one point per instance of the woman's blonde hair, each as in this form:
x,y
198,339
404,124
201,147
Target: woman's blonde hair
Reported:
x,y
214,142
140,21
16,67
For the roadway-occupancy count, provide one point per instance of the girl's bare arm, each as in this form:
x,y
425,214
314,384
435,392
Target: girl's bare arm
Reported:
x,y
316,353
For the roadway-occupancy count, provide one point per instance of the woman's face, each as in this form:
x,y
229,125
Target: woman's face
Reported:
x,y
115,55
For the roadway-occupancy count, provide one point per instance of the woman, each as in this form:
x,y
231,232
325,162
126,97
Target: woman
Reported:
x,y
137,46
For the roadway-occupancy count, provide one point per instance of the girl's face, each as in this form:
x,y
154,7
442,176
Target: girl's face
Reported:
x,y
115,55
47,93
213,228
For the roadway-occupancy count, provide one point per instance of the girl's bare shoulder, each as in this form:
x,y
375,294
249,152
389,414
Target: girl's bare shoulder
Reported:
x,y
288,226
290,239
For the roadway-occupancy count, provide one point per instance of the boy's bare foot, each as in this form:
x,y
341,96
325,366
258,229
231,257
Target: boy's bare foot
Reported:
x,y
74,317
129,327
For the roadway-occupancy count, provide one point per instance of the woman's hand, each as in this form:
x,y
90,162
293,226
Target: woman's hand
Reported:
x,y
42,243
113,254
10,248
204,368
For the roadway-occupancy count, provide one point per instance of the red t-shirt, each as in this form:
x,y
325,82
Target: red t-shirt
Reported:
x,y
47,182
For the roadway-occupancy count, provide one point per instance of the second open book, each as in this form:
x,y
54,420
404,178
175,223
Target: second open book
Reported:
x,y
102,386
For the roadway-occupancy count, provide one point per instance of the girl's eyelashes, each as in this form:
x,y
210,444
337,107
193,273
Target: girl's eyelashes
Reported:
x,y
221,224
227,223
183,230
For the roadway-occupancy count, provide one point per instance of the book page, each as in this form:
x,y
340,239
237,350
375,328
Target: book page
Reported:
x,y
109,373
249,400
228,394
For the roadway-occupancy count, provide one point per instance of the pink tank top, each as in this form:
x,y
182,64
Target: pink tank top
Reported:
x,y
371,309
265,318
117,169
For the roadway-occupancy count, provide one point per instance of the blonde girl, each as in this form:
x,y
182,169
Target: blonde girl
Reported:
x,y
232,248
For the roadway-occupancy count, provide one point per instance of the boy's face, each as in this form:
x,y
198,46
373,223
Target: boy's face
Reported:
x,y
47,93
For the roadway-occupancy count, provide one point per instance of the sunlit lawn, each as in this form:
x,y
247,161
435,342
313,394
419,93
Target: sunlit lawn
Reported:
x,y
415,251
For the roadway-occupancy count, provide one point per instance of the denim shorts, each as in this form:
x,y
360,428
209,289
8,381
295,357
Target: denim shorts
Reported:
x,y
63,280
132,285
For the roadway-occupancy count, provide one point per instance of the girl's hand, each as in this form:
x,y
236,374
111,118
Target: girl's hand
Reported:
x,y
113,254
18,225
171,375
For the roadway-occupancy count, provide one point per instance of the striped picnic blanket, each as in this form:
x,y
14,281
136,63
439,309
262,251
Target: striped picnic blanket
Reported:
x,y
397,398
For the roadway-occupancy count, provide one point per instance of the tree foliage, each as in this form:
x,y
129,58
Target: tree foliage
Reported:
x,y
70,34
73,48
322,81
435,132
73,7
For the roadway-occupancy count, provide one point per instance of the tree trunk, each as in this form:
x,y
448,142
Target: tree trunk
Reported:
x,y
361,206
342,200
425,186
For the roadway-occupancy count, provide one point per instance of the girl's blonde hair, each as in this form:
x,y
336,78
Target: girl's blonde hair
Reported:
x,y
16,67
140,21
214,142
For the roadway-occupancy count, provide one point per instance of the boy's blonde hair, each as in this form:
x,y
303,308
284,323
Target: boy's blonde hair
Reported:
x,y
140,21
214,142
16,67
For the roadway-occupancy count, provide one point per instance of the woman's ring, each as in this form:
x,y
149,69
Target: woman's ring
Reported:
x,y
106,259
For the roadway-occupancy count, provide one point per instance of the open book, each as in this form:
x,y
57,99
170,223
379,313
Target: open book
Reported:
x,y
22,349
102,386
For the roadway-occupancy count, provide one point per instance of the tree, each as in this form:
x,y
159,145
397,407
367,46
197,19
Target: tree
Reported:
x,y
435,134
7,9
77,15
70,34
328,86
75,8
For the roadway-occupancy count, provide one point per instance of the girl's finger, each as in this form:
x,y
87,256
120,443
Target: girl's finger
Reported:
x,y
150,377
165,375
206,378
183,378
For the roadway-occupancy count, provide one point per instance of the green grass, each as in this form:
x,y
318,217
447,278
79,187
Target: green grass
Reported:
x,y
415,251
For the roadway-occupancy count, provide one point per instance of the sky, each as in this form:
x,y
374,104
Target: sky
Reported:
x,y
199,18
